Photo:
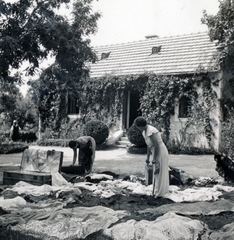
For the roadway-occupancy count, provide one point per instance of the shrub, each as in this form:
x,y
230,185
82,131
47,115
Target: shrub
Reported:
x,y
12,147
227,136
135,136
54,142
137,150
26,136
4,136
98,130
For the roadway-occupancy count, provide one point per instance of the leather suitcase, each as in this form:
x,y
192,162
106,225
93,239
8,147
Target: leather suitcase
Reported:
x,y
36,167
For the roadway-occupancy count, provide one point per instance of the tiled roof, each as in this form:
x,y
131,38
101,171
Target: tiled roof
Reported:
x,y
178,55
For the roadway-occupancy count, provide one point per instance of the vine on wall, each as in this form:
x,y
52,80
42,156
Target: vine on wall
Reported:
x,y
158,101
103,99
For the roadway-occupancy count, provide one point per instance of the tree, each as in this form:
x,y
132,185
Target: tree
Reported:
x,y
14,106
32,30
221,29
9,95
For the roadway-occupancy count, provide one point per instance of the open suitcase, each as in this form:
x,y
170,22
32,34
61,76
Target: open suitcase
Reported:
x,y
36,167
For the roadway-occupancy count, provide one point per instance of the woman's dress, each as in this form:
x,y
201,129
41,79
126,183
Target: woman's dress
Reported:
x,y
161,179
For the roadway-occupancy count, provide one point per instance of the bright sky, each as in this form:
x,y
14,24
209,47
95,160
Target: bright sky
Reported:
x,y
132,20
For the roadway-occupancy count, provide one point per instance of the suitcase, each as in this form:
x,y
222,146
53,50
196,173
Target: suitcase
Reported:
x,y
35,178
148,174
36,167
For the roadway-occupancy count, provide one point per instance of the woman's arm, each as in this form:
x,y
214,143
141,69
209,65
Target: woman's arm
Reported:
x,y
156,138
148,156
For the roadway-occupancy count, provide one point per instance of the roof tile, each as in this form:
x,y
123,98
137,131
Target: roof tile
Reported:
x,y
178,55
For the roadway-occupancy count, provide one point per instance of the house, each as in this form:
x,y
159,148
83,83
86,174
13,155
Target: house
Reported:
x,y
184,55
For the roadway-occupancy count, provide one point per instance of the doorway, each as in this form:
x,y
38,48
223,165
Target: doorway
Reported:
x,y
131,108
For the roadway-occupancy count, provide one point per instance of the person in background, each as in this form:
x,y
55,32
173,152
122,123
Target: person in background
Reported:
x,y
86,156
15,131
157,148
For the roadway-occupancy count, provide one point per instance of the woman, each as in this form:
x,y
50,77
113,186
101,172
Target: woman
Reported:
x,y
159,151
15,131
87,147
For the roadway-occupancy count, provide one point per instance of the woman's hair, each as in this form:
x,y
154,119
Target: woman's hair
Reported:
x,y
72,144
140,122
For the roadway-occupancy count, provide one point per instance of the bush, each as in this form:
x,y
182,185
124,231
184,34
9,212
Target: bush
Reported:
x,y
26,136
137,150
190,150
12,147
227,135
54,142
4,136
135,136
98,130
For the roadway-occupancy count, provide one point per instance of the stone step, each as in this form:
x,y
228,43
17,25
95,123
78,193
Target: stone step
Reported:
x,y
123,142
121,146
124,138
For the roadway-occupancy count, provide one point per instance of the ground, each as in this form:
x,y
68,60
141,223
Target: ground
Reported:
x,y
123,165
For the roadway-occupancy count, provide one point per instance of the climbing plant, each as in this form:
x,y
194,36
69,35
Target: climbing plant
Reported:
x,y
103,98
159,99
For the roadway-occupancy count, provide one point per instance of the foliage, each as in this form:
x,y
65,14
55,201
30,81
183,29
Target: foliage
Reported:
x,y
159,99
6,148
102,98
221,28
26,114
227,135
158,96
25,136
71,129
9,97
53,142
28,137
49,93
32,30
137,149
135,136
14,106
98,130
67,74
5,136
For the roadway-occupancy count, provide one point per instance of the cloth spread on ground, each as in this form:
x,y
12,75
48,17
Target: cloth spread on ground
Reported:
x,y
197,208
226,232
169,226
70,223
109,188
47,218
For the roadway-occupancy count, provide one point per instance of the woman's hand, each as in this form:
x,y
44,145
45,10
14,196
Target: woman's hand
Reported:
x,y
147,161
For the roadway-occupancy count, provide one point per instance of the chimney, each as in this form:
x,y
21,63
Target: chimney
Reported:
x,y
151,36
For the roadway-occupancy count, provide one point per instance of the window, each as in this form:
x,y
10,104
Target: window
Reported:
x,y
105,55
73,107
156,50
184,107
